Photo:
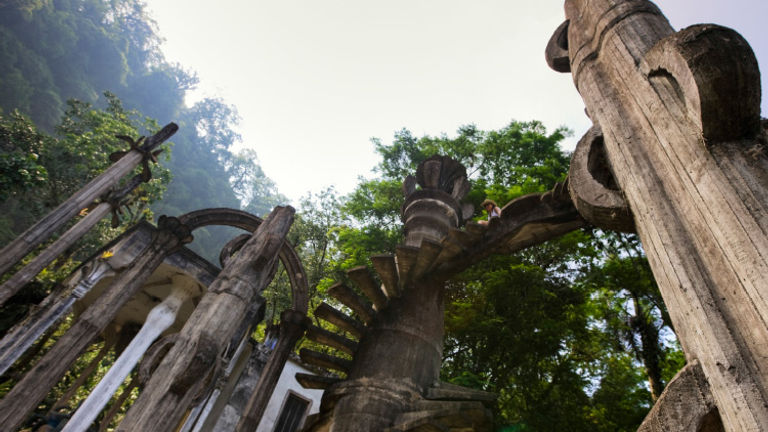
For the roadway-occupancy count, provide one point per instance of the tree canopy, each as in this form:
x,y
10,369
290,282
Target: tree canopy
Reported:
x,y
41,170
571,334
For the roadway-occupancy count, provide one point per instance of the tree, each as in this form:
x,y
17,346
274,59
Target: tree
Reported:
x,y
20,168
632,309
518,159
257,193
533,326
44,170
47,169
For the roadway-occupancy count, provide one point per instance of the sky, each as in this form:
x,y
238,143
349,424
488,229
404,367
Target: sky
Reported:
x,y
314,80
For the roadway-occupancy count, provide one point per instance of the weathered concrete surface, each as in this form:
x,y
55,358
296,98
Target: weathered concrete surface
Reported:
x,y
686,405
193,358
28,392
292,327
242,391
679,114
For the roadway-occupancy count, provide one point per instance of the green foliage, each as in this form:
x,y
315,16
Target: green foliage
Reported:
x,y
520,155
632,309
71,49
619,404
53,51
60,164
21,145
40,171
314,236
257,193
518,159
511,320
539,328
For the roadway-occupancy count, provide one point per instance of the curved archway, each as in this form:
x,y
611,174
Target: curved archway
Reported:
x,y
249,222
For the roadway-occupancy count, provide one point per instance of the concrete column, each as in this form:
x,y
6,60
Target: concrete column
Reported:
x,y
158,320
26,274
207,412
20,338
292,327
28,392
680,116
193,359
41,231
401,352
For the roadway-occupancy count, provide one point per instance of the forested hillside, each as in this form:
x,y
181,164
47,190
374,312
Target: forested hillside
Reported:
x,y
52,51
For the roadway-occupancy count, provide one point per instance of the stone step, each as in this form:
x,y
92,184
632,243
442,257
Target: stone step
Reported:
x,y
387,270
330,339
428,253
317,382
451,249
352,300
340,320
364,280
405,256
324,360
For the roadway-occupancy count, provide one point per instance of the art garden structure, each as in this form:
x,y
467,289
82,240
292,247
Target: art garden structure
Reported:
x,y
676,154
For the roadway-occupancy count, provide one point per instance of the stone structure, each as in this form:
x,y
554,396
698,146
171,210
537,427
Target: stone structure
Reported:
x,y
116,289
677,127
192,360
676,154
232,403
392,381
182,367
141,152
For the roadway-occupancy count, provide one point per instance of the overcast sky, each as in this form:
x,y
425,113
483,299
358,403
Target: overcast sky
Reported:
x,y
314,80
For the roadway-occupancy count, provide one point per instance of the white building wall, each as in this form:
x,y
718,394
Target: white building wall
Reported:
x,y
288,382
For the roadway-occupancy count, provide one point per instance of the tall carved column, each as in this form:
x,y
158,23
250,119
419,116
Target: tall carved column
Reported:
x,y
158,320
292,327
398,357
41,231
192,360
395,362
111,202
28,392
679,114
412,325
23,335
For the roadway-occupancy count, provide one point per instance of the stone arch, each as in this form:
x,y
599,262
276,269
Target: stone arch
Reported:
x,y
249,222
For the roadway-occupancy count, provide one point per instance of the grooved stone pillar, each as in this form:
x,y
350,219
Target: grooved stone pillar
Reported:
x,y
679,114
28,392
41,231
192,360
292,327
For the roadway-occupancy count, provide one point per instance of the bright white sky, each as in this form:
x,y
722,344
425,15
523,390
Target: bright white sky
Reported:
x,y
314,80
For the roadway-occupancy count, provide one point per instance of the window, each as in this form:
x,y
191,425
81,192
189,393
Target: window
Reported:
x,y
292,415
